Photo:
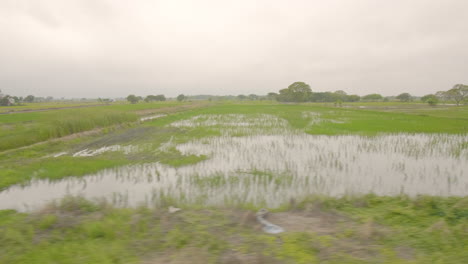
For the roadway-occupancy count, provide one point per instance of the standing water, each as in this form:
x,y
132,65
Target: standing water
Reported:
x,y
271,169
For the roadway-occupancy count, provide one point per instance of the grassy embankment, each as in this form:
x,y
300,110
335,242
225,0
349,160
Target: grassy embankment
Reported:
x,y
366,229
23,129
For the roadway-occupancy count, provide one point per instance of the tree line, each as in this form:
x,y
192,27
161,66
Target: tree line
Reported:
x,y
152,98
9,100
301,92
296,92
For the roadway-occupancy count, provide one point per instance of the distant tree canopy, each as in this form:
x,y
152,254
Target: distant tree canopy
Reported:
x,y
6,100
180,97
404,97
296,92
241,97
338,96
29,99
458,94
431,99
353,98
427,97
372,97
253,97
301,92
133,99
272,96
151,98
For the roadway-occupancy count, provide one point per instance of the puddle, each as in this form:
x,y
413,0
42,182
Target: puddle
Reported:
x,y
93,152
316,118
148,118
232,120
238,124
270,169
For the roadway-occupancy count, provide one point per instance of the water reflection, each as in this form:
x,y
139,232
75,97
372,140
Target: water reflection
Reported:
x,y
270,169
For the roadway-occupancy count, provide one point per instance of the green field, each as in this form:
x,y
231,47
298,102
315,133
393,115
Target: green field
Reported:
x,y
185,146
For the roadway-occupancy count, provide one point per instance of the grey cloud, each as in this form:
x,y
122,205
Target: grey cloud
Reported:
x,y
85,48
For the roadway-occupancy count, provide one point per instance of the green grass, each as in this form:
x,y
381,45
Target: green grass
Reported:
x,y
23,129
119,105
55,168
28,128
366,229
40,106
357,121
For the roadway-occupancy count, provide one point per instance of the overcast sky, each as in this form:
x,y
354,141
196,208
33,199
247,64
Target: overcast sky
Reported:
x,y
112,48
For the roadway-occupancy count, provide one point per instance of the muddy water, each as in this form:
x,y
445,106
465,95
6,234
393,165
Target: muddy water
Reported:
x,y
271,169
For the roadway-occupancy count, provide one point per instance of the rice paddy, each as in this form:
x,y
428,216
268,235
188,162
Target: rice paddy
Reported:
x,y
346,186
261,160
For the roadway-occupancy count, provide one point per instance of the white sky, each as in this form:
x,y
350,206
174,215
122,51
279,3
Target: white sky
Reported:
x,y
112,48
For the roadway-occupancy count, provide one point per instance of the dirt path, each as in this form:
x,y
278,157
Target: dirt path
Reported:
x,y
64,138
166,110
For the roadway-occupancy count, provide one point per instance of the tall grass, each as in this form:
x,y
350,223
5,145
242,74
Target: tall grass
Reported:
x,y
61,123
80,121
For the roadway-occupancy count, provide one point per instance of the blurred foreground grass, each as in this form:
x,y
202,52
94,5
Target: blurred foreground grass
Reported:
x,y
367,229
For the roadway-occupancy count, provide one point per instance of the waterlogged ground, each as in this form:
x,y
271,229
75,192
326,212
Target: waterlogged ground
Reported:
x,y
260,159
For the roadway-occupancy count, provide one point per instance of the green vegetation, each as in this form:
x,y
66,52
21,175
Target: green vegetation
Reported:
x,y
18,165
133,99
404,97
296,92
363,229
24,129
368,229
181,97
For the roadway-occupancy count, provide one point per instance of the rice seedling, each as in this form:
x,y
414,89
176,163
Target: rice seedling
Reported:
x,y
272,164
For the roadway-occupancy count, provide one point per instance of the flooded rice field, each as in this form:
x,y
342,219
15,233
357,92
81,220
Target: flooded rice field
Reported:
x,y
269,168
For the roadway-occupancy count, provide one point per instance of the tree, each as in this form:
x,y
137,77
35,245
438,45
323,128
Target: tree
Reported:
x,y
441,95
160,97
180,97
272,96
104,100
433,101
7,100
29,99
458,93
253,97
404,97
296,92
354,98
427,97
323,97
241,97
372,97
151,98
133,99
340,95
